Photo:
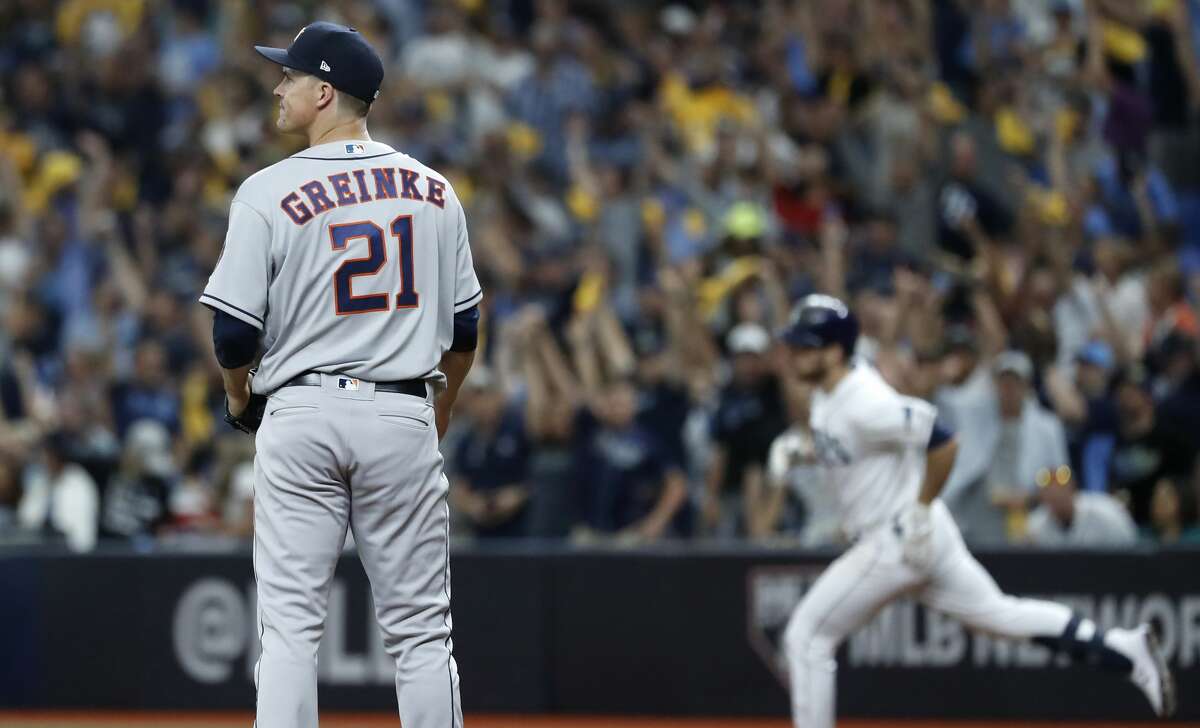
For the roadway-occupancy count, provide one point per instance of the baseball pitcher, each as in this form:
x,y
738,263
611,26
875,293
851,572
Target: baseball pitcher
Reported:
x,y
349,264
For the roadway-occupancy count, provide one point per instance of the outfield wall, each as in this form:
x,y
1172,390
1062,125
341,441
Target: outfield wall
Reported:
x,y
665,632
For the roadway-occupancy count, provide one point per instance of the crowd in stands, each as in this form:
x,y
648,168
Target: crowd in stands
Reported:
x,y
1006,191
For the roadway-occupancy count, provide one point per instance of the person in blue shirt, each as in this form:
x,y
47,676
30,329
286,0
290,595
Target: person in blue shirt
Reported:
x,y
749,416
631,483
490,468
150,394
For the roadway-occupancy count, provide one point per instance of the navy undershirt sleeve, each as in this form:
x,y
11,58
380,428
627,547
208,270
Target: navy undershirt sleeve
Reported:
x,y
940,436
235,341
466,330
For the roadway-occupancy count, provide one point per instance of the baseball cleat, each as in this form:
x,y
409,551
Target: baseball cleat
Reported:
x,y
1150,672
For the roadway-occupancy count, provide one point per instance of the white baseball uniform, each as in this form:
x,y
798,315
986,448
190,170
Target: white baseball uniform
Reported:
x,y
792,464
872,443
352,258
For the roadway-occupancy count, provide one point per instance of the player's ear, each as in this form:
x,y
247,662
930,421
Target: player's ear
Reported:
x,y
326,95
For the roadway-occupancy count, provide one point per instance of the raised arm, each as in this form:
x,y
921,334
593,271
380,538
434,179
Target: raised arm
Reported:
x,y
993,334
583,353
833,237
690,341
552,387
1068,402
615,350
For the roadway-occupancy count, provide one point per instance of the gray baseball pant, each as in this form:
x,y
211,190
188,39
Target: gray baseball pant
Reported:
x,y
336,456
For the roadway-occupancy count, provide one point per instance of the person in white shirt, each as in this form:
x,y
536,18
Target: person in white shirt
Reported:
x,y
62,498
1067,518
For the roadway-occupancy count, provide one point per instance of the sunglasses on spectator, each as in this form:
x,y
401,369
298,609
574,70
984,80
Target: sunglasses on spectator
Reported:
x,y
1058,476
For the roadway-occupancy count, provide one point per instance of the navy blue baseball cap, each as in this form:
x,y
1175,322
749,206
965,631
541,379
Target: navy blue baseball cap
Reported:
x,y
333,53
818,321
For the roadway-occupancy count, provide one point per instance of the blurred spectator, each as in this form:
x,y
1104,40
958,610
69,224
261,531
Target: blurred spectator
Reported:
x,y
630,485
149,393
10,497
1145,450
1172,515
237,511
1087,409
552,399
193,503
1170,312
749,415
1024,439
557,87
490,472
61,500
1067,518
137,499
970,215
959,381
1177,385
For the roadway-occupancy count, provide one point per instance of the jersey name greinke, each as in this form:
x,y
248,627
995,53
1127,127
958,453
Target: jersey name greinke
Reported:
x,y
356,186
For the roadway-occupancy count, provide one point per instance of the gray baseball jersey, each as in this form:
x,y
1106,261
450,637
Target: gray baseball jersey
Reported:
x,y
352,258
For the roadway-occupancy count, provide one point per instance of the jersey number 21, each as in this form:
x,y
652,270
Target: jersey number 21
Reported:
x,y
344,300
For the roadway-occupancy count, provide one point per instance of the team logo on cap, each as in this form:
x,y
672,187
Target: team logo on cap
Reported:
x,y
300,34
325,67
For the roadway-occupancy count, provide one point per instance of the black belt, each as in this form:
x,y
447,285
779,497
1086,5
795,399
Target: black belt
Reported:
x,y
414,387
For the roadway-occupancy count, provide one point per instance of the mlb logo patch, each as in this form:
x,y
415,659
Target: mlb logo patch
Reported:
x,y
355,149
348,384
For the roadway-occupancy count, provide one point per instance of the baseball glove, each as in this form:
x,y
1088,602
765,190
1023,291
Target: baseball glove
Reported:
x,y
251,417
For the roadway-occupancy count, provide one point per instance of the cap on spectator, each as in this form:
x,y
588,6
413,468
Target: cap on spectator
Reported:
x,y
334,53
677,19
149,442
748,338
745,221
1096,353
1015,362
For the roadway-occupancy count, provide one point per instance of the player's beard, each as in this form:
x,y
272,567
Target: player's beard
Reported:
x,y
811,372
809,368
814,375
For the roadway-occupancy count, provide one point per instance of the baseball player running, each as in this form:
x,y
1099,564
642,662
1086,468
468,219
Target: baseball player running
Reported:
x,y
887,460
350,260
